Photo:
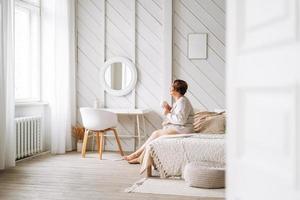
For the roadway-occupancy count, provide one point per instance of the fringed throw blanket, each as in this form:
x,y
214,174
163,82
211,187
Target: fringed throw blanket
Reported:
x,y
170,154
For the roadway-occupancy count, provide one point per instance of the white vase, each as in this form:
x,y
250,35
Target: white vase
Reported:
x,y
79,145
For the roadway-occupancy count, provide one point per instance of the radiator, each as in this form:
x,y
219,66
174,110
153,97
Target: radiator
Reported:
x,y
28,136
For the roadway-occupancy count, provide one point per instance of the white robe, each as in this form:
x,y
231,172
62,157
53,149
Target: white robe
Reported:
x,y
181,116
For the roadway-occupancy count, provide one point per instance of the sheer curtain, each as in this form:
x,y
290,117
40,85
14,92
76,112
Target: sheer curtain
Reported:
x,y
7,100
59,65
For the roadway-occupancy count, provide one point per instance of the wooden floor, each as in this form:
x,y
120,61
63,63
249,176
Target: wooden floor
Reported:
x,y
72,177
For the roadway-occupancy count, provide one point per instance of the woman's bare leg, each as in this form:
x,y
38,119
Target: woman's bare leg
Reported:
x,y
136,154
154,135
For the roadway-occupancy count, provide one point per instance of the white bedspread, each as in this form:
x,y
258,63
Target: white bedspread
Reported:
x,y
170,154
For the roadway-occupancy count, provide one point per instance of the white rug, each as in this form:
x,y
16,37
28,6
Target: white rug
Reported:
x,y
172,187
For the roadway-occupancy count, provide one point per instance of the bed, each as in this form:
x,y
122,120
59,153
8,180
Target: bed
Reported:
x,y
169,154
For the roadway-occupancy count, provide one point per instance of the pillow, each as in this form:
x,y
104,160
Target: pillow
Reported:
x,y
209,122
219,110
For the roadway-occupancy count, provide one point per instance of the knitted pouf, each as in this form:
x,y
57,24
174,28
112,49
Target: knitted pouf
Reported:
x,y
205,175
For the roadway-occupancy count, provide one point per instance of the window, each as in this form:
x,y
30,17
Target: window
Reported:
x,y
27,50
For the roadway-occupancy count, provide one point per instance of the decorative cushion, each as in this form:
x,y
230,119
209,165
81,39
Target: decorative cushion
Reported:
x,y
209,122
205,175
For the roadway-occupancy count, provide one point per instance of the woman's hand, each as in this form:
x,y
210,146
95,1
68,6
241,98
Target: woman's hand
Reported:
x,y
167,106
167,109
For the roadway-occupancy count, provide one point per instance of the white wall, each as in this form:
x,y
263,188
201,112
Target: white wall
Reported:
x,y
205,77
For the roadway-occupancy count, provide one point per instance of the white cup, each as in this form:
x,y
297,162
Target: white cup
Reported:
x,y
163,103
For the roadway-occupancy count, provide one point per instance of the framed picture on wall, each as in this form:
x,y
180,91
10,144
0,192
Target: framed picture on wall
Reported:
x,y
197,46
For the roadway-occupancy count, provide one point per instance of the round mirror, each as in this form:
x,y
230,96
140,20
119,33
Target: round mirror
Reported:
x,y
118,76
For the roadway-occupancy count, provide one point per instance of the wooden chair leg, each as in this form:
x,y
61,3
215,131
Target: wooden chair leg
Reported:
x,y
101,145
104,141
118,141
83,151
97,140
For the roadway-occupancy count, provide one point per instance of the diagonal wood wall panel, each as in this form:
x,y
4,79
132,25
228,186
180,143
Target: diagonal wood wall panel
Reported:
x,y
205,77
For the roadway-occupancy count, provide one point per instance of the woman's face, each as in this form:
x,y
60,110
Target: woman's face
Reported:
x,y
172,91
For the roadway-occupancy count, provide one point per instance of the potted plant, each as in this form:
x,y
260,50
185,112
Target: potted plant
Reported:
x,y
78,133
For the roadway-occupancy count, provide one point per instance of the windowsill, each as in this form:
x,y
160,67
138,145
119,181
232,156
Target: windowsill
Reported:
x,y
31,103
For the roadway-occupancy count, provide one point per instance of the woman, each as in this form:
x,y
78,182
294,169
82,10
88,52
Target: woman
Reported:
x,y
178,119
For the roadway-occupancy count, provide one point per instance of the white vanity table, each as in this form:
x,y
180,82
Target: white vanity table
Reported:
x,y
119,77
137,113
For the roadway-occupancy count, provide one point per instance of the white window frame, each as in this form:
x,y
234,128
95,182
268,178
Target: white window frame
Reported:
x,y
35,8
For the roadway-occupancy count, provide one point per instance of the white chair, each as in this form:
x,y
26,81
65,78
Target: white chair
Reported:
x,y
98,121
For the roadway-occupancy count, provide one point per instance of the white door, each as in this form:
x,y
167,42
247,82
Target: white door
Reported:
x,y
263,99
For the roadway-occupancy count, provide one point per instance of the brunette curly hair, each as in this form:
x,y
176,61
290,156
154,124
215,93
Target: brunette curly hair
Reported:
x,y
180,86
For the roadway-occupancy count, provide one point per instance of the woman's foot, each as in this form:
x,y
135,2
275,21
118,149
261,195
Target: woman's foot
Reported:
x,y
134,161
131,156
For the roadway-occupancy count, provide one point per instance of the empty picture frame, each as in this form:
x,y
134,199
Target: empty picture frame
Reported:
x,y
197,46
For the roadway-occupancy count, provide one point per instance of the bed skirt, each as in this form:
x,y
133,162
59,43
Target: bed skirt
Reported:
x,y
170,154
